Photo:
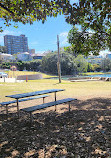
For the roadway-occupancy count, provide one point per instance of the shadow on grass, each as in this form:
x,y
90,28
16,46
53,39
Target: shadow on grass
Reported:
x,y
84,132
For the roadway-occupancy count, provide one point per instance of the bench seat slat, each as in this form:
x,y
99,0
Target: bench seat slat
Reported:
x,y
25,99
8,102
36,97
45,105
23,95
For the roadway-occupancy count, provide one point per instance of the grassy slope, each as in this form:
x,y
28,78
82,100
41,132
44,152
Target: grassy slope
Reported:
x,y
80,90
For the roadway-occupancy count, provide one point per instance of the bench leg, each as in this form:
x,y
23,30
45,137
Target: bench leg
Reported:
x,y
43,99
18,109
55,100
69,107
55,107
55,96
7,110
31,117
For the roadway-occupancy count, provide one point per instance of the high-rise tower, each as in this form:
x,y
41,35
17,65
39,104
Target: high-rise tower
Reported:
x,y
15,44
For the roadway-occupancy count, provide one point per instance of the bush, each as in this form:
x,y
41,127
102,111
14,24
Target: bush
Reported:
x,y
49,63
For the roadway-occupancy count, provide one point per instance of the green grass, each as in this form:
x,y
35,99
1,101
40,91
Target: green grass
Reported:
x,y
79,90
94,73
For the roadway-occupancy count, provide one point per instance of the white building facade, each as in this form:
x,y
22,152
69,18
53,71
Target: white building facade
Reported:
x,y
25,56
6,57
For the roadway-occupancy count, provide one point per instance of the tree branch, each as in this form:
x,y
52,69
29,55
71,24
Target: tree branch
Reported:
x,y
2,6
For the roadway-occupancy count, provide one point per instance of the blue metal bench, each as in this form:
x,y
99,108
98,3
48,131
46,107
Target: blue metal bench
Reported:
x,y
30,94
45,105
21,100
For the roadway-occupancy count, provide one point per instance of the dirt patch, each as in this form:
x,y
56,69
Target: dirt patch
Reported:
x,y
85,132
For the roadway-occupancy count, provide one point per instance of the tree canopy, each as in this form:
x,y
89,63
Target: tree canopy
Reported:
x,y
93,14
28,11
83,42
90,14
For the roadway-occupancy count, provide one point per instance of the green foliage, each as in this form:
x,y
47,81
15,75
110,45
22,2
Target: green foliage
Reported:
x,y
68,66
30,66
5,65
96,67
81,63
89,67
49,63
34,65
28,11
2,49
91,15
86,43
94,15
20,65
106,64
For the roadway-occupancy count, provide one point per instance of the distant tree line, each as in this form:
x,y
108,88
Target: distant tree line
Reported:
x,y
21,65
2,49
70,65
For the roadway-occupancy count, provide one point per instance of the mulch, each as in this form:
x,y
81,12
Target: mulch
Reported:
x,y
85,132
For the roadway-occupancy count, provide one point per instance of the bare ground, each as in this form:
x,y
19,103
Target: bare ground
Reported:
x,y
85,132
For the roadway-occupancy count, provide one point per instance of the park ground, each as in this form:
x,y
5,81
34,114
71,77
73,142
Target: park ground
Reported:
x,y
85,132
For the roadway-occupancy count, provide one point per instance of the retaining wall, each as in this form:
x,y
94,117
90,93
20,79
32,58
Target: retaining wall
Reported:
x,y
30,77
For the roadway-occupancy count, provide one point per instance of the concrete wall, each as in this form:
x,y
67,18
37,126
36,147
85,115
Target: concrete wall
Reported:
x,y
90,78
30,77
79,78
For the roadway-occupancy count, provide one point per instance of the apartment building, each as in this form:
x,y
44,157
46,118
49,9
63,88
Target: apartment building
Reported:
x,y
31,51
15,44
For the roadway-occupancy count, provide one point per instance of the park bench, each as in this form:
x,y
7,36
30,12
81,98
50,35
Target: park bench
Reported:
x,y
35,93
21,100
45,105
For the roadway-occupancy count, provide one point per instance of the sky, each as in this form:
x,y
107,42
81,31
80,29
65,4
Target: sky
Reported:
x,y
42,37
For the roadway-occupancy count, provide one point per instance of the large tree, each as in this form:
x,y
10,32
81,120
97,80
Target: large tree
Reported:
x,y
90,14
93,14
49,63
28,11
83,42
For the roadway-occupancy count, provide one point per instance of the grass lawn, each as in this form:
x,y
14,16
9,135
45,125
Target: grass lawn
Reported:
x,y
79,90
